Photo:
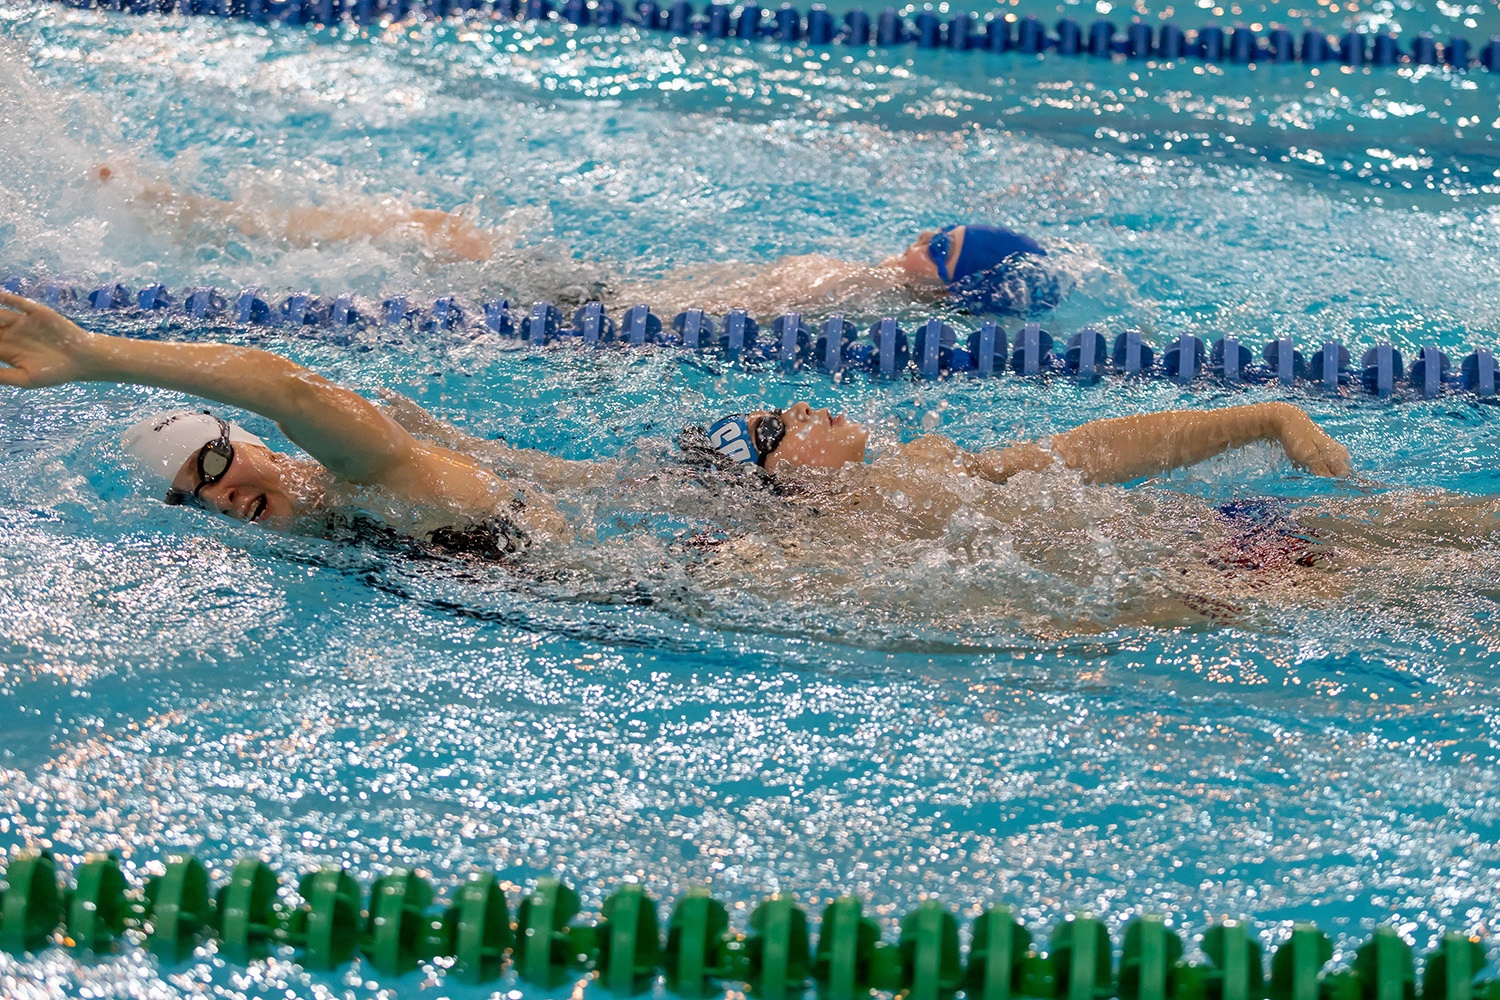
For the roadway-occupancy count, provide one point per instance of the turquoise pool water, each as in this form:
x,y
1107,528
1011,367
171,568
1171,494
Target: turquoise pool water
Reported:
x,y
1051,702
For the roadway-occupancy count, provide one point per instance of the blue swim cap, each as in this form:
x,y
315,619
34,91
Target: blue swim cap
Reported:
x,y
984,249
996,270
731,438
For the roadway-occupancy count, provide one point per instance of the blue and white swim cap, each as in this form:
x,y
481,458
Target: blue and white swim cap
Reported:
x,y
731,438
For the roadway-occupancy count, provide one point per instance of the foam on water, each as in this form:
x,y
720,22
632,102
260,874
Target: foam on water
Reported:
x,y
1052,696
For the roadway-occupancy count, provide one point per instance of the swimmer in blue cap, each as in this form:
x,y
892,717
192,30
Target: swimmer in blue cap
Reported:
x,y
984,268
981,268
977,267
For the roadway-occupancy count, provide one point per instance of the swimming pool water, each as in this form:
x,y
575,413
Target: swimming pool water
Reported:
x,y
993,715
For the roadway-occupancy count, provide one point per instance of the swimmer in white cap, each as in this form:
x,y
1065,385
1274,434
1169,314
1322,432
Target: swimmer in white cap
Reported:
x,y
360,456
191,451
362,452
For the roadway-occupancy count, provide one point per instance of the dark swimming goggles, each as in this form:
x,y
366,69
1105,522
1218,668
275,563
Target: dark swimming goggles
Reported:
x,y
766,435
213,463
937,248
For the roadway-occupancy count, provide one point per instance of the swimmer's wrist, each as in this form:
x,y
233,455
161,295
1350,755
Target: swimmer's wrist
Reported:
x,y
92,358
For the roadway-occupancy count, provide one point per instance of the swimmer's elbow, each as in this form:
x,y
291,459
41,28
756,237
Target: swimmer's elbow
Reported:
x,y
306,397
999,466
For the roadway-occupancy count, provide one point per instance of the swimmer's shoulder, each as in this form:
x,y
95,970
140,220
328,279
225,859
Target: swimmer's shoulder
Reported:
x,y
459,491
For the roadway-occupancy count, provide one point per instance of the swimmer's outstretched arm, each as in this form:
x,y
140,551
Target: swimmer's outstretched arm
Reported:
x,y
312,225
346,433
1120,449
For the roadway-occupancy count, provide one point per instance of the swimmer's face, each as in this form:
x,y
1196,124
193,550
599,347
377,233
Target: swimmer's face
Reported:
x,y
815,439
915,263
255,487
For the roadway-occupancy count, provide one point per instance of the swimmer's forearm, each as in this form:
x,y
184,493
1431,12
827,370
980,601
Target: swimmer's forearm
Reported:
x,y
337,426
1120,449
237,376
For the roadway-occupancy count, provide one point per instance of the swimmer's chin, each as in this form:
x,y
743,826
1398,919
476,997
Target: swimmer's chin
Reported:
x,y
302,523
277,513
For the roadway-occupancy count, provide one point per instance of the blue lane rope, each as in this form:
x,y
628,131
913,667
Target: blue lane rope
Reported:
x,y
889,348
1237,45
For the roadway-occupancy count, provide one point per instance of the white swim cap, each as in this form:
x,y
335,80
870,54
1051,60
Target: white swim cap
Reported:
x,y
164,443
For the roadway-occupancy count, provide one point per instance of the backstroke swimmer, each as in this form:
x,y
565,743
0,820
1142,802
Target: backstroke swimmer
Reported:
x,y
976,267
361,457
802,498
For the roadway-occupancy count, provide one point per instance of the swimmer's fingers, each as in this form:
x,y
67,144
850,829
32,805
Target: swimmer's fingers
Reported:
x,y
16,303
40,345
1324,465
1309,446
1329,458
1309,457
1335,458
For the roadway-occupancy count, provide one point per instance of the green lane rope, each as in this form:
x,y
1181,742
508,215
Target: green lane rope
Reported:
x,y
624,952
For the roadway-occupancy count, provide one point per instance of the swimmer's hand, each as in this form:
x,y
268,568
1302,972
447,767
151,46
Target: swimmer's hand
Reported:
x,y
41,346
1308,445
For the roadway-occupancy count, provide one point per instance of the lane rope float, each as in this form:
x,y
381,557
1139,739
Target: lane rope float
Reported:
x,y
889,348
401,925
1238,44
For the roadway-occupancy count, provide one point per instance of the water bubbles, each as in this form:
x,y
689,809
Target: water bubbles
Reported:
x,y
964,658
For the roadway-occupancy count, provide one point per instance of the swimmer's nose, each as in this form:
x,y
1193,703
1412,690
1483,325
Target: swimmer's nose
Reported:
x,y
224,499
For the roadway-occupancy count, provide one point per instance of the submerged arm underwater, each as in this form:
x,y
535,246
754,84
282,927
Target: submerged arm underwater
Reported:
x,y
449,234
541,467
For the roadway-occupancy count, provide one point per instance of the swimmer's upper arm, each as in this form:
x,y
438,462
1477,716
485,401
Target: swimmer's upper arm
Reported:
x,y
342,430
345,432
